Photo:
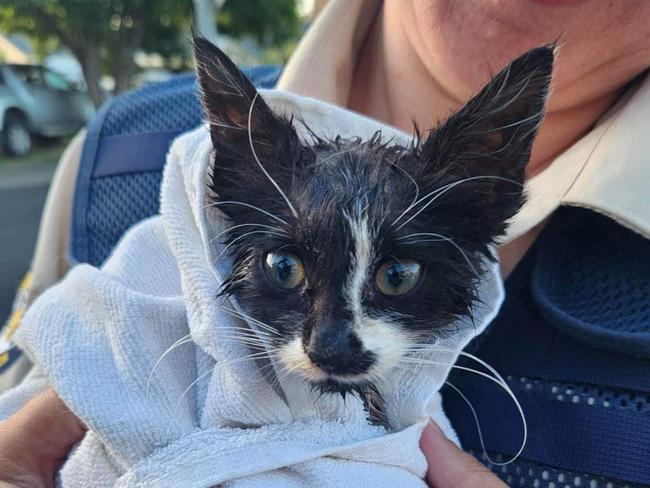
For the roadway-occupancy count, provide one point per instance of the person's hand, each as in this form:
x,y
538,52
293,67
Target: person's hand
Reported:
x,y
449,467
35,441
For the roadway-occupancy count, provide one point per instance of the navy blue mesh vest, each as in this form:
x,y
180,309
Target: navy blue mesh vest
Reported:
x,y
573,338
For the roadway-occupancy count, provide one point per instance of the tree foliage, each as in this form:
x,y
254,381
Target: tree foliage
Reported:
x,y
101,34
105,34
271,22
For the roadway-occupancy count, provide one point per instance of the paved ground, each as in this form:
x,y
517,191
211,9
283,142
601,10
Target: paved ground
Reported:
x,y
23,188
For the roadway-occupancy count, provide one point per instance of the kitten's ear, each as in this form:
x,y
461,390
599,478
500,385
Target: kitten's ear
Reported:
x,y
488,142
243,129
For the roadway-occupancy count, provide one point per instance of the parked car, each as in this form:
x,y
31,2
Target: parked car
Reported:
x,y
35,100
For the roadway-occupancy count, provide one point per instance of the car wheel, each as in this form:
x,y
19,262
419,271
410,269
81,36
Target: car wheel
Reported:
x,y
16,139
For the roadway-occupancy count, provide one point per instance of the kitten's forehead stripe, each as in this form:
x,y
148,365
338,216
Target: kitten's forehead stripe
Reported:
x,y
361,261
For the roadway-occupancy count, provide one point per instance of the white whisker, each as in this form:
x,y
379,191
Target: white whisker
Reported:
x,y
497,378
232,202
224,126
183,340
242,225
259,163
245,316
252,333
250,357
223,251
450,241
442,190
476,421
417,193
198,378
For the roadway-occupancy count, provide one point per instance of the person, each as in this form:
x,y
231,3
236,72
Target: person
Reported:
x,y
403,60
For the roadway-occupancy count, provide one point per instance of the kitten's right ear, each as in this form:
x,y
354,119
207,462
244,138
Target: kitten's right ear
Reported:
x,y
256,151
226,94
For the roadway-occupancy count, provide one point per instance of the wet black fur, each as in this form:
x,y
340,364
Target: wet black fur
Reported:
x,y
490,136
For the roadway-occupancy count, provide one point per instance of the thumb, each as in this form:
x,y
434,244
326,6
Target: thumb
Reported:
x,y
450,467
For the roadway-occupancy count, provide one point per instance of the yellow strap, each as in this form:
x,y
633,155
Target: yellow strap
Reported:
x,y
19,309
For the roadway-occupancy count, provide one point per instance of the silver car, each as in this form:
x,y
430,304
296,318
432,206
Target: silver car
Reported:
x,y
37,101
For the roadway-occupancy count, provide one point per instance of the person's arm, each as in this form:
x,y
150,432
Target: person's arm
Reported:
x,y
450,467
35,441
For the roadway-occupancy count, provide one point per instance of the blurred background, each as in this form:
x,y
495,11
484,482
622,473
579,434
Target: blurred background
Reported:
x,y
60,60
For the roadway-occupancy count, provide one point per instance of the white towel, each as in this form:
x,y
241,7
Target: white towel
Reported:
x,y
98,334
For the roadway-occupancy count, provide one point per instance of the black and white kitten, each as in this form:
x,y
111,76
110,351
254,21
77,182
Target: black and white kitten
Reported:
x,y
354,250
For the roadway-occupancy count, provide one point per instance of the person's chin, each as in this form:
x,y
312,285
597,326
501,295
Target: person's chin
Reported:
x,y
475,39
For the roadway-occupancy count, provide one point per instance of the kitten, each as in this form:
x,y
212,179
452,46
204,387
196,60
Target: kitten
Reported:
x,y
354,250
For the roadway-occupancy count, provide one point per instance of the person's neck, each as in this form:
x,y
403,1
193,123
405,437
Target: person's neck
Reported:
x,y
392,84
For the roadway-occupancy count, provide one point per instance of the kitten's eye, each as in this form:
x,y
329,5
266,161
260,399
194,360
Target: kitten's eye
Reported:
x,y
398,277
284,270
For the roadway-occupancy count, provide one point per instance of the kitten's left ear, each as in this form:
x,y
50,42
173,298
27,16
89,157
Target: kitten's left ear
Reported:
x,y
243,130
486,145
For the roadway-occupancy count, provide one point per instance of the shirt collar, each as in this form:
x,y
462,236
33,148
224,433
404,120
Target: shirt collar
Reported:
x,y
607,170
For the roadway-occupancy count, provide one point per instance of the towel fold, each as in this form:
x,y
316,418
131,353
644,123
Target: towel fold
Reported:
x,y
142,351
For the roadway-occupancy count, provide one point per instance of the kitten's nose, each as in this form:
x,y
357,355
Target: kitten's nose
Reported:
x,y
335,350
332,360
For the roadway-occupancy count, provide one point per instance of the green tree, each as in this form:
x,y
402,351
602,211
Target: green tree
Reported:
x,y
101,33
271,22
105,34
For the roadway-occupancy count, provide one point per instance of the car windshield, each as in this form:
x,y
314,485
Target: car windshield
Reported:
x,y
55,81
39,76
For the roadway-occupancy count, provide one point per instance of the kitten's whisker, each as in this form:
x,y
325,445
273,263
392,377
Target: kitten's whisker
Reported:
x,y
225,249
476,421
259,163
497,378
442,190
257,346
420,241
245,332
260,344
269,354
229,229
244,204
183,340
245,316
276,381
288,371
251,333
415,198
211,370
198,378
418,234
450,241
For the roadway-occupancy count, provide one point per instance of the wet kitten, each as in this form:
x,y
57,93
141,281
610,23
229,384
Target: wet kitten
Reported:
x,y
354,250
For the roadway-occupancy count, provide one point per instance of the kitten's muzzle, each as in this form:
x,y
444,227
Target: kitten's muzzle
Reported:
x,y
336,350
